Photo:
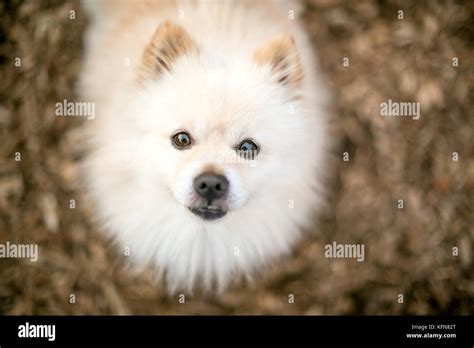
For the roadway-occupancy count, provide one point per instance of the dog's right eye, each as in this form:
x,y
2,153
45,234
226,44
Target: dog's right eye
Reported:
x,y
181,140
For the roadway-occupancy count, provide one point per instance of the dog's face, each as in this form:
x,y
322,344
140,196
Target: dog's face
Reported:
x,y
208,167
215,131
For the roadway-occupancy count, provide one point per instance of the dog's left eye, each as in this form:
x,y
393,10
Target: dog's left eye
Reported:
x,y
248,148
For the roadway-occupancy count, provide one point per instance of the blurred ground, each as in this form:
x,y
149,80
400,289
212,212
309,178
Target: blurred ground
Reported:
x,y
408,251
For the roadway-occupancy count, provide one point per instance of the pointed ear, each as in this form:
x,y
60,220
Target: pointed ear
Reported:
x,y
168,44
281,54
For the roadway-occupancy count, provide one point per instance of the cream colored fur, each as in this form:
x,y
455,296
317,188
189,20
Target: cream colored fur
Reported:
x,y
221,94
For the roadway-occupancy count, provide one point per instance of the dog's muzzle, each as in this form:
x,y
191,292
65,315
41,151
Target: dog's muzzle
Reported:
x,y
212,191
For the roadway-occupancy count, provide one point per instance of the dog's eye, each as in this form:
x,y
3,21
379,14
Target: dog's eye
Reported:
x,y
181,140
247,148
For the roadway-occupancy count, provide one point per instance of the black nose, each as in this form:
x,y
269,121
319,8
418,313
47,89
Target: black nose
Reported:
x,y
211,186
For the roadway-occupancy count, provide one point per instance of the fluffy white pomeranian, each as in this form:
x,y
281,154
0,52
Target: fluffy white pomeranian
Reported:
x,y
207,151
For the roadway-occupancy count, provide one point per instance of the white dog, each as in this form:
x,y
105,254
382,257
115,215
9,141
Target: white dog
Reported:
x,y
208,149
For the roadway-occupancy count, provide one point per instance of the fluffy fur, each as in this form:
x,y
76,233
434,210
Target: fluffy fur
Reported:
x,y
224,71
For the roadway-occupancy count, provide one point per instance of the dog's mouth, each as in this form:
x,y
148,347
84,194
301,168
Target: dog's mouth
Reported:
x,y
208,213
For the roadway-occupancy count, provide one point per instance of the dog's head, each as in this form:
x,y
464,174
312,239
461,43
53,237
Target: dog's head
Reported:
x,y
216,130
213,149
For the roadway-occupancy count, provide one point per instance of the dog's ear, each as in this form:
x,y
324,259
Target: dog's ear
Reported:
x,y
168,44
281,54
